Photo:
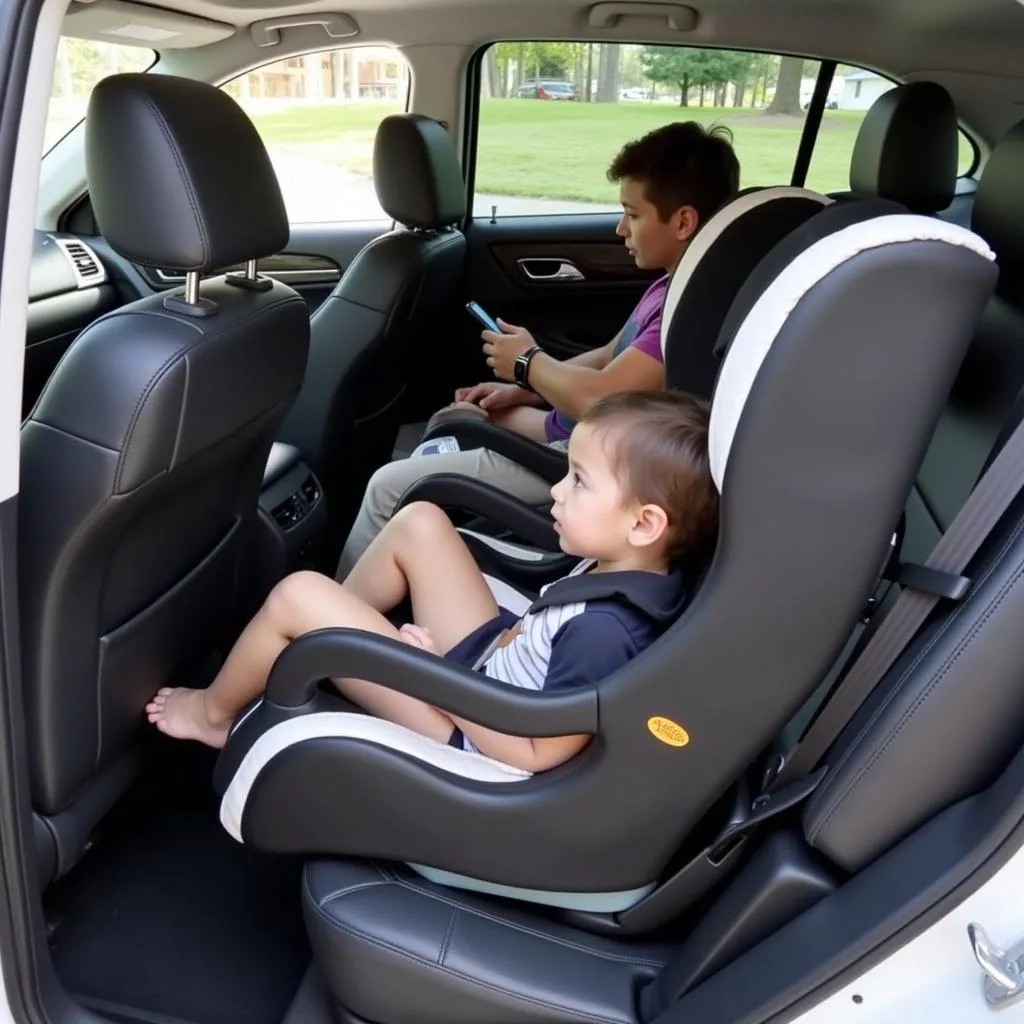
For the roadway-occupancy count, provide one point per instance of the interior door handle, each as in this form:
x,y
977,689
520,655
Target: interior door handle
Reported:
x,y
538,268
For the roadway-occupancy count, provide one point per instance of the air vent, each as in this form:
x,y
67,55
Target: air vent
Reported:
x,y
85,265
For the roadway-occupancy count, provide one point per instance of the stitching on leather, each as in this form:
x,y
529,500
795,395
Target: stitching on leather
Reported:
x,y
71,433
180,319
962,646
182,353
347,891
452,901
443,952
186,179
490,986
830,782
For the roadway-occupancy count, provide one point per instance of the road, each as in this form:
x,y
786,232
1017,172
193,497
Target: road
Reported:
x,y
316,191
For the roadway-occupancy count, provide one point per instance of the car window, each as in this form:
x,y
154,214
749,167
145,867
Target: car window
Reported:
x,y
318,115
536,154
81,64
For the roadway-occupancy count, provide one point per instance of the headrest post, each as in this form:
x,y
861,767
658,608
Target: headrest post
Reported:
x,y
250,279
250,269
192,288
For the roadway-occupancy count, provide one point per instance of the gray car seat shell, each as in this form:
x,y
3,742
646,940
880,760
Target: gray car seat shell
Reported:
x,y
861,309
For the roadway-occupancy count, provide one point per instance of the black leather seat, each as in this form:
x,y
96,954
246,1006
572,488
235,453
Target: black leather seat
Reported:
x,y
367,336
142,460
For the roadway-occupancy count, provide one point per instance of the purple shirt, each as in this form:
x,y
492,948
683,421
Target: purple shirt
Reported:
x,y
642,331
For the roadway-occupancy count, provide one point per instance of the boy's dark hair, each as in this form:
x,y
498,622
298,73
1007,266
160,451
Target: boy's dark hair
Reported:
x,y
660,451
682,164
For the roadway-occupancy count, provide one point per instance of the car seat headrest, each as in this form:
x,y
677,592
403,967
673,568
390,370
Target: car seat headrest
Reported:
x,y
998,214
907,148
713,269
178,176
846,272
416,172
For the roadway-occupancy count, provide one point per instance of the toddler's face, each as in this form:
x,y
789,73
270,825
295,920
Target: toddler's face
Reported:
x,y
593,516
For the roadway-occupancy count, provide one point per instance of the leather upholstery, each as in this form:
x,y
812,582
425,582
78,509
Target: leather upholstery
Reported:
x,y
907,148
141,463
178,175
368,336
405,951
416,173
943,722
998,214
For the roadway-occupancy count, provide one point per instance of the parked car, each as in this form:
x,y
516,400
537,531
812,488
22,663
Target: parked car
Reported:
x,y
547,89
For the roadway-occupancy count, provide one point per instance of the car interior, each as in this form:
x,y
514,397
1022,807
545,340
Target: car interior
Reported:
x,y
209,384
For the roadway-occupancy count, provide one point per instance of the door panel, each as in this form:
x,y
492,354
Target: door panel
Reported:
x,y
569,279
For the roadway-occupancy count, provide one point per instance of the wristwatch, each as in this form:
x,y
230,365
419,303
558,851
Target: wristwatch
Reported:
x,y
521,367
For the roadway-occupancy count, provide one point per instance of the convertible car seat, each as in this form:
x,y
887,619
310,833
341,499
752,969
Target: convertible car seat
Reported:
x,y
844,346
141,462
702,288
367,336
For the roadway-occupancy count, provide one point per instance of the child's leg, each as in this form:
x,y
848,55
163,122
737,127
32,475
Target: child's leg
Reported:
x,y
420,554
416,552
300,603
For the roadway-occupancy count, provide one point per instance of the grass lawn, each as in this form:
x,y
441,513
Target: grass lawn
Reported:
x,y
561,150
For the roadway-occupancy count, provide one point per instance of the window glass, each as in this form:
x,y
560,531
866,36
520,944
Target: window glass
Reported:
x,y
318,115
553,116
81,64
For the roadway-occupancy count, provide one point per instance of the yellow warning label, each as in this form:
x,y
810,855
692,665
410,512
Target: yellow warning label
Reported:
x,y
667,731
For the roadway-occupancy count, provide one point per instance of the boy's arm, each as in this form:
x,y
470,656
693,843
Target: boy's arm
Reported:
x,y
587,648
572,387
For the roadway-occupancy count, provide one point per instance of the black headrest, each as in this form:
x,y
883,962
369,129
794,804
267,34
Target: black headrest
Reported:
x,y
178,176
416,172
998,214
907,148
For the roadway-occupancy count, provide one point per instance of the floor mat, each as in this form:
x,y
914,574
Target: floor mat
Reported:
x,y
169,915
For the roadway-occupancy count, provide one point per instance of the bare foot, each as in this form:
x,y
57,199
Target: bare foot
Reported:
x,y
181,713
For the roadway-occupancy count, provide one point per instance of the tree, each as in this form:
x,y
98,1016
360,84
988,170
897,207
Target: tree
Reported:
x,y
608,74
669,64
787,88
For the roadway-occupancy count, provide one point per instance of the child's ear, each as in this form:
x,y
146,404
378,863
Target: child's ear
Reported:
x,y
687,221
649,526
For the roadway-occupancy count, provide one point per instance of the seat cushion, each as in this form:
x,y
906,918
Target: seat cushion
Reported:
x,y
396,949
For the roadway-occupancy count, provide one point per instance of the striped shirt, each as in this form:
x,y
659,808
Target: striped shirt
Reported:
x,y
583,627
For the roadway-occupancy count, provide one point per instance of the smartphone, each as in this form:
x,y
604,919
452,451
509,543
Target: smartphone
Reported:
x,y
477,310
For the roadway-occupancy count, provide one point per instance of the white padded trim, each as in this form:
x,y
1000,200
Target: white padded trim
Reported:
x,y
352,726
507,596
711,232
759,329
503,547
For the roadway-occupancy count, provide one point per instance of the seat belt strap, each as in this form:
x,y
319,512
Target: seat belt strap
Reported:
x,y
984,507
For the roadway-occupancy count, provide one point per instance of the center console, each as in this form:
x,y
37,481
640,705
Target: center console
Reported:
x,y
292,514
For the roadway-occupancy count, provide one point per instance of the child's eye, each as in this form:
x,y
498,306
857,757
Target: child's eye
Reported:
x,y
576,481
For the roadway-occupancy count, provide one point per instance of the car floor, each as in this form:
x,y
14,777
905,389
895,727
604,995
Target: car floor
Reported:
x,y
167,919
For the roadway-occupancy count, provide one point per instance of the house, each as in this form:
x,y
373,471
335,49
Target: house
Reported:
x,y
862,88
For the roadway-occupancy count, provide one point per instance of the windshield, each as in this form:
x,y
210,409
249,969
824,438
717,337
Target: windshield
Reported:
x,y
81,64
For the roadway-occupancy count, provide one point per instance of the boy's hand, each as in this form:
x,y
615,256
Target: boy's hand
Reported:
x,y
503,349
493,395
418,636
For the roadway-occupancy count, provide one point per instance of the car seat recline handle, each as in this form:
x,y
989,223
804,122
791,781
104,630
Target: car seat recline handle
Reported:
x,y
328,653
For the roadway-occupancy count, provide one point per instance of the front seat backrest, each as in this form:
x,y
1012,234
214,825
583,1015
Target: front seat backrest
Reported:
x,y
382,316
907,149
142,461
